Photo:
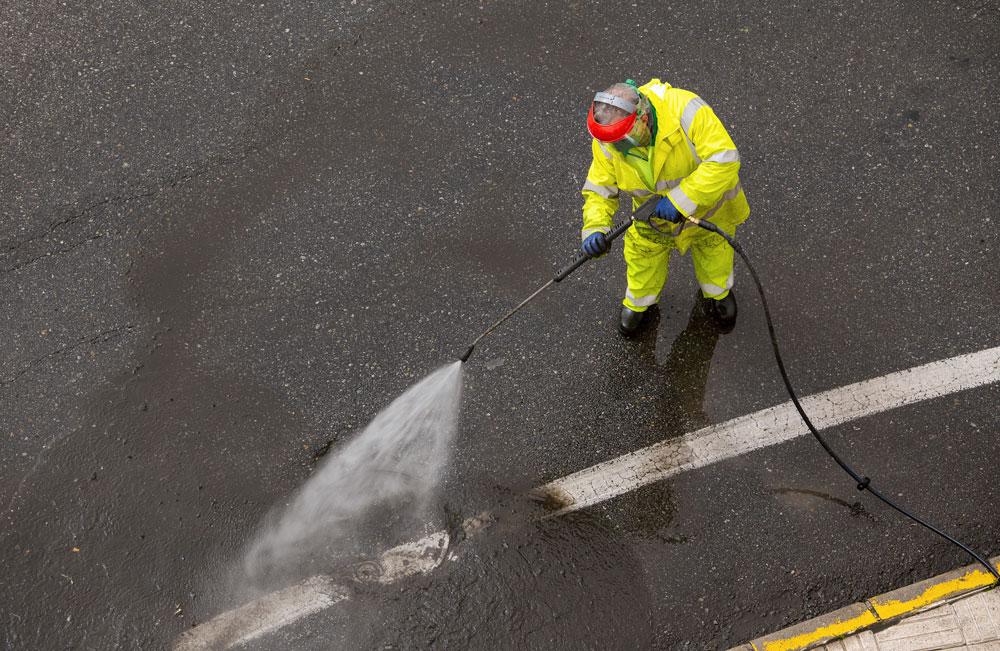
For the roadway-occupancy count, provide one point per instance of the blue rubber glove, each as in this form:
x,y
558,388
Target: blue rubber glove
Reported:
x,y
665,210
596,244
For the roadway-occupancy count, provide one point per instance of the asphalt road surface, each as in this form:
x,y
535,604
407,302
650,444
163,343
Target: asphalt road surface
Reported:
x,y
233,232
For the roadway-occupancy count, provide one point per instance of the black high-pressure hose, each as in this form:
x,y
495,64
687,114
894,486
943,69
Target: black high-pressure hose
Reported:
x,y
863,482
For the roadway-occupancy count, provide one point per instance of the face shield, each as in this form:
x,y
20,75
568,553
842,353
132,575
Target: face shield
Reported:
x,y
620,122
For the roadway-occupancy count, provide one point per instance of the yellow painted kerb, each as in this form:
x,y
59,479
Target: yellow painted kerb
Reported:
x,y
933,594
835,630
883,610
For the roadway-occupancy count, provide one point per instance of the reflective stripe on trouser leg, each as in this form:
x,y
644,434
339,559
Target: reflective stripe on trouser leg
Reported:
x,y
713,265
648,263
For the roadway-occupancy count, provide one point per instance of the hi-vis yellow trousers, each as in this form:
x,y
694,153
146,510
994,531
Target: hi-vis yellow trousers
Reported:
x,y
649,261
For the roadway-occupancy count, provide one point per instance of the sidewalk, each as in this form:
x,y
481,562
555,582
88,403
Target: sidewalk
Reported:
x,y
955,610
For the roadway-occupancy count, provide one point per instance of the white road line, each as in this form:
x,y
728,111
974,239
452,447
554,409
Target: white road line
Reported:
x,y
262,616
283,607
615,477
771,426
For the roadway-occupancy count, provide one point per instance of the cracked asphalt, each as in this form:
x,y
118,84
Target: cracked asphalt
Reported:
x,y
233,233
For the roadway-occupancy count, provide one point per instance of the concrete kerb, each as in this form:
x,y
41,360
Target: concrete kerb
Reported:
x,y
880,609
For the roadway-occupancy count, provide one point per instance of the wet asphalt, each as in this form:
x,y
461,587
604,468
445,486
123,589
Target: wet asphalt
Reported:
x,y
232,233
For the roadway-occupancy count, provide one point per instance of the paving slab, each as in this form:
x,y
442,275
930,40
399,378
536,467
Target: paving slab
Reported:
x,y
955,610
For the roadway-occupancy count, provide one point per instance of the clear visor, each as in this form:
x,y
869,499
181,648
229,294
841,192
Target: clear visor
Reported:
x,y
609,109
606,114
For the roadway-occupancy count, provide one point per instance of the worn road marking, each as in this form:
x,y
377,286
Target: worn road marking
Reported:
x,y
262,616
772,426
279,609
617,476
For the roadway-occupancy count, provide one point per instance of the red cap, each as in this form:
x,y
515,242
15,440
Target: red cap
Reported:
x,y
609,132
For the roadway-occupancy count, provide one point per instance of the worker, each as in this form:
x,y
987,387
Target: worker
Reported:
x,y
663,144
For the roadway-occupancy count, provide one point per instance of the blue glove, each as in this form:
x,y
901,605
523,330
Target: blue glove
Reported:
x,y
665,210
596,244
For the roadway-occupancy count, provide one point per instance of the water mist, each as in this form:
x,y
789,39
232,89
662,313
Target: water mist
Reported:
x,y
395,463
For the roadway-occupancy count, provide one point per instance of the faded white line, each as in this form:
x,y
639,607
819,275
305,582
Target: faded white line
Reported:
x,y
262,616
615,477
772,426
284,607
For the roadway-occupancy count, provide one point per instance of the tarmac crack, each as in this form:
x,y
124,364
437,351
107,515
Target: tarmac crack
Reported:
x,y
56,225
101,337
48,254
159,187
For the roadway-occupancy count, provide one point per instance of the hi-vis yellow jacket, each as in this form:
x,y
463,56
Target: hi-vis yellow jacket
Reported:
x,y
694,162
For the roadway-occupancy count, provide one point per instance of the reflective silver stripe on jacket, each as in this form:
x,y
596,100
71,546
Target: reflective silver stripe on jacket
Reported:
x,y
590,231
687,119
685,204
724,156
715,290
641,301
682,201
607,154
606,191
638,192
668,185
731,193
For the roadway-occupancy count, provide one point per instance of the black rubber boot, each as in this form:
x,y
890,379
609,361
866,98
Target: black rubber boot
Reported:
x,y
630,321
722,312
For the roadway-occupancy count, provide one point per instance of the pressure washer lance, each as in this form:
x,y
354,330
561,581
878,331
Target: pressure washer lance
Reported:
x,y
863,482
644,213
